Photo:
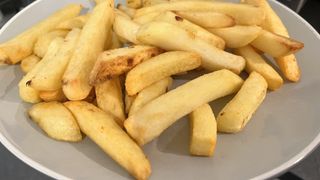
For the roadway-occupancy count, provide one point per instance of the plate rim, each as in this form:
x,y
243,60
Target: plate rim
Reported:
x,y
271,173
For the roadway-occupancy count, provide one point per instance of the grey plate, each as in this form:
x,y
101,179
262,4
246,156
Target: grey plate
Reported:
x,y
283,131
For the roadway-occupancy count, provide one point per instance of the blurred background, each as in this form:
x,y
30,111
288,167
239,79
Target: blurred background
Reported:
x,y
12,168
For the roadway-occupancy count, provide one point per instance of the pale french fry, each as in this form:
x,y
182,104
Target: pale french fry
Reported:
x,y
238,112
146,18
126,28
56,95
118,61
134,3
21,46
56,120
109,99
159,67
129,11
254,62
208,19
109,136
287,64
161,34
90,44
76,22
242,13
150,93
276,45
43,42
237,36
117,12
153,2
203,131
193,29
49,77
128,101
115,43
26,92
156,116
29,63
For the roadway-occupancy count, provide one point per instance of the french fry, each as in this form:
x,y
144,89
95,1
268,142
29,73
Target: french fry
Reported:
x,y
109,136
287,64
146,18
76,22
203,130
115,43
126,28
237,36
129,11
128,101
134,3
21,46
149,93
156,116
27,93
56,95
161,34
99,1
242,13
49,77
207,19
43,42
109,99
276,45
159,67
91,43
254,62
118,61
29,63
117,12
193,29
56,120
238,112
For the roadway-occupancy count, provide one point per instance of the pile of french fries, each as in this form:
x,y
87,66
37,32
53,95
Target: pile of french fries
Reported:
x,y
106,73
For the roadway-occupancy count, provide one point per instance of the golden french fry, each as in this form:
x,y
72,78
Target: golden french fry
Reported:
x,y
56,120
276,45
237,113
126,28
76,22
109,99
208,19
151,120
161,34
129,11
56,95
49,77
242,13
91,43
20,47
153,2
118,61
29,63
159,67
43,42
27,93
108,135
128,101
193,29
203,131
150,93
237,36
254,62
146,18
289,67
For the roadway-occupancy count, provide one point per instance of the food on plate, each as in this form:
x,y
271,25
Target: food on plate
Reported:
x,y
29,63
128,101
203,131
254,62
129,11
134,3
21,46
149,93
118,61
153,2
161,34
76,22
156,116
159,67
238,112
146,18
56,95
237,36
126,28
109,136
115,42
90,44
56,120
49,77
109,99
